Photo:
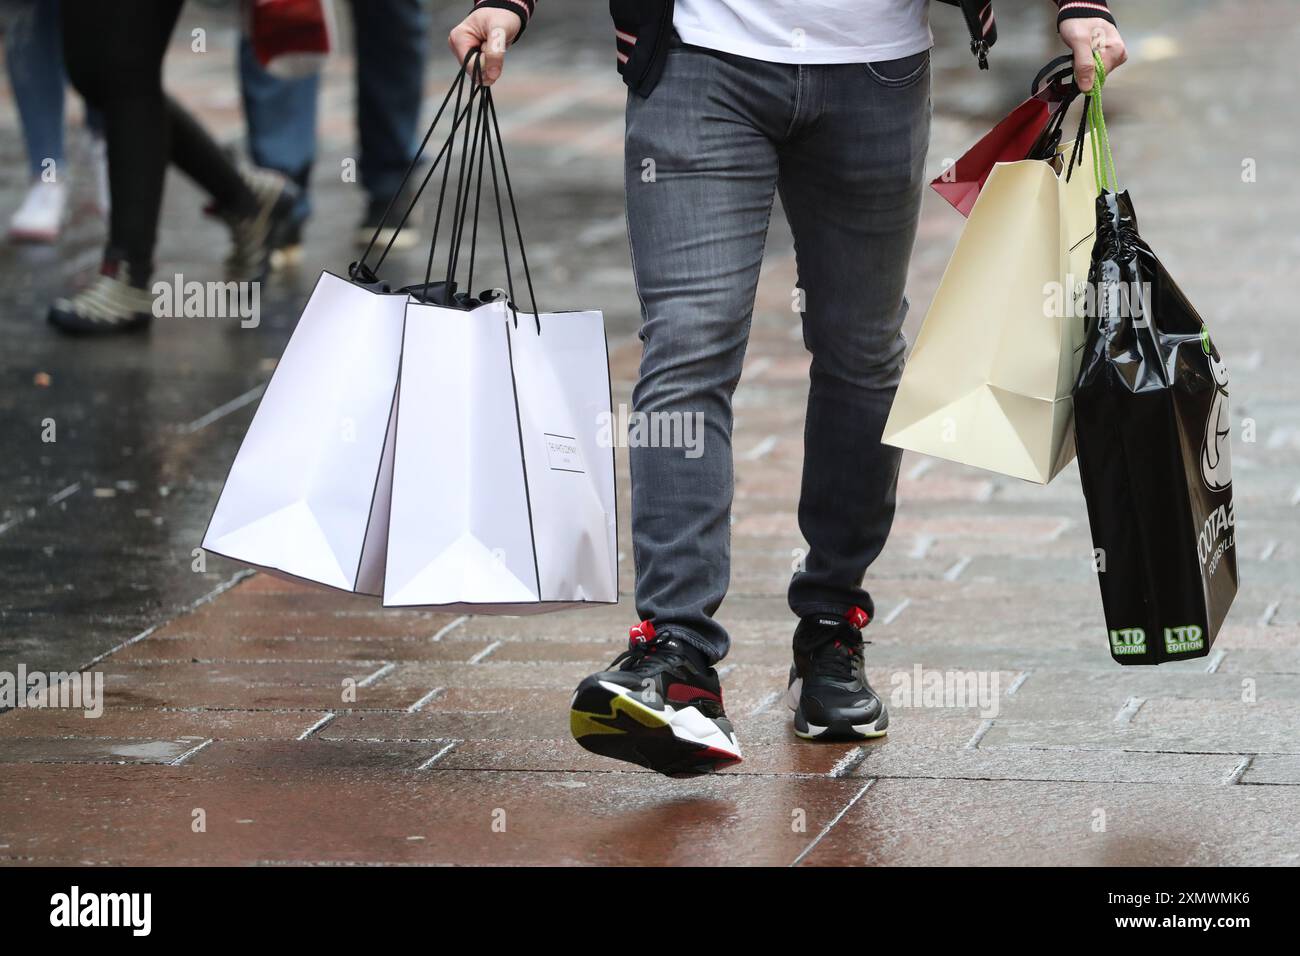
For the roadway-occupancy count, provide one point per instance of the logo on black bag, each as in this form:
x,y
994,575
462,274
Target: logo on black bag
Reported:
x,y
1128,640
1219,524
1216,460
1181,640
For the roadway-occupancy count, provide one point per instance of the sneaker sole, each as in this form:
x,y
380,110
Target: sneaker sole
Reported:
x,y
286,257
838,730
606,719
34,236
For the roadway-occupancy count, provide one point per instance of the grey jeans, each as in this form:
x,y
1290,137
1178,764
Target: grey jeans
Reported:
x,y
705,155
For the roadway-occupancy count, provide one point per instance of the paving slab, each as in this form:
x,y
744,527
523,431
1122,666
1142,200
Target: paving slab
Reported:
x,y
1277,769
149,814
264,649
1097,766
1187,726
127,722
37,750
1023,823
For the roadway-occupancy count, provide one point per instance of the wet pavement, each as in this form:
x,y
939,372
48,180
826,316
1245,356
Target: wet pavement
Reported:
x,y
314,727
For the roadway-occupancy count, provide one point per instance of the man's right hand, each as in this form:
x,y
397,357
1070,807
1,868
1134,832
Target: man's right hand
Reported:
x,y
493,30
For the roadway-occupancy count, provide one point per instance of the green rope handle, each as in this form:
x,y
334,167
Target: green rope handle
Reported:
x,y
1103,162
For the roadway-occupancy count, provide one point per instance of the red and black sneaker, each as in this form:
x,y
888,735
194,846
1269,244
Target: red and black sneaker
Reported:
x,y
828,690
659,705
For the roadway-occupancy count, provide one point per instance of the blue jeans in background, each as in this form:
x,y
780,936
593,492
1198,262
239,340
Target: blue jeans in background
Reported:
x,y
34,58
281,118
391,41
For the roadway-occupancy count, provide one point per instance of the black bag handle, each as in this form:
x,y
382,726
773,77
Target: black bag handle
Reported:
x,y
359,269
1054,84
491,107
481,147
478,152
468,179
1056,70
1076,155
457,216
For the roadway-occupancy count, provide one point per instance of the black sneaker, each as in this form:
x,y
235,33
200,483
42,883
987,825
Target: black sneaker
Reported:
x,y
828,690
286,245
252,235
659,705
409,235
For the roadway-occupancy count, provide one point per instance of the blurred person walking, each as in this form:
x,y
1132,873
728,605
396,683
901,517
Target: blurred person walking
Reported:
x,y
114,55
391,41
826,102
34,60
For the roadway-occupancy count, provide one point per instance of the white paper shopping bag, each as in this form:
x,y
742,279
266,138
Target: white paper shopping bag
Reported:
x,y
562,384
503,491
307,494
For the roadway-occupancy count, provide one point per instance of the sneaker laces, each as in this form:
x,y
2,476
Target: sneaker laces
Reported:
x,y
831,653
648,660
836,658
647,654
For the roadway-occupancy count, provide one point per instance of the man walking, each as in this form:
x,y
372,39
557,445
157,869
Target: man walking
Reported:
x,y
826,102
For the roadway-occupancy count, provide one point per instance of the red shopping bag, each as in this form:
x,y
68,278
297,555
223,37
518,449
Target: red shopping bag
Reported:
x,y
290,37
1032,128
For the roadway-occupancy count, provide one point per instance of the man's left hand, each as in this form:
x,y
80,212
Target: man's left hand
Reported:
x,y
1085,34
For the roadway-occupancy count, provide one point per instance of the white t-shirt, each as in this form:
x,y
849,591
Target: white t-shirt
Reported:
x,y
807,31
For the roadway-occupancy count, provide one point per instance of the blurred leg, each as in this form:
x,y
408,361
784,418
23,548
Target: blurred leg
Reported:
x,y
114,58
281,118
34,57
114,55
200,157
392,37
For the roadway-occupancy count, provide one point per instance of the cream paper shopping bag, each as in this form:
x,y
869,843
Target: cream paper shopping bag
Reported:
x,y
988,381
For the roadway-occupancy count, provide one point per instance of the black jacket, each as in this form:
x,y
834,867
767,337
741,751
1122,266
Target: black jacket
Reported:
x,y
641,29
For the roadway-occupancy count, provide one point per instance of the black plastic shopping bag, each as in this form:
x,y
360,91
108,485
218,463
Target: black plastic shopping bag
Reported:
x,y
1152,427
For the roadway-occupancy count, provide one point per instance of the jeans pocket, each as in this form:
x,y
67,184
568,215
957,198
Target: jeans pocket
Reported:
x,y
900,73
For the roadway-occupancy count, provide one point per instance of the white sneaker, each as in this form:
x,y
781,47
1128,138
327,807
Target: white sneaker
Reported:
x,y
40,217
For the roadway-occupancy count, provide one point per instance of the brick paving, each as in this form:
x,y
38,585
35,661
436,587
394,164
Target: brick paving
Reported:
x,y
310,727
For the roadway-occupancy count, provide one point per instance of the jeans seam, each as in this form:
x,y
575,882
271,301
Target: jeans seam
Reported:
x,y
794,114
636,286
902,82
